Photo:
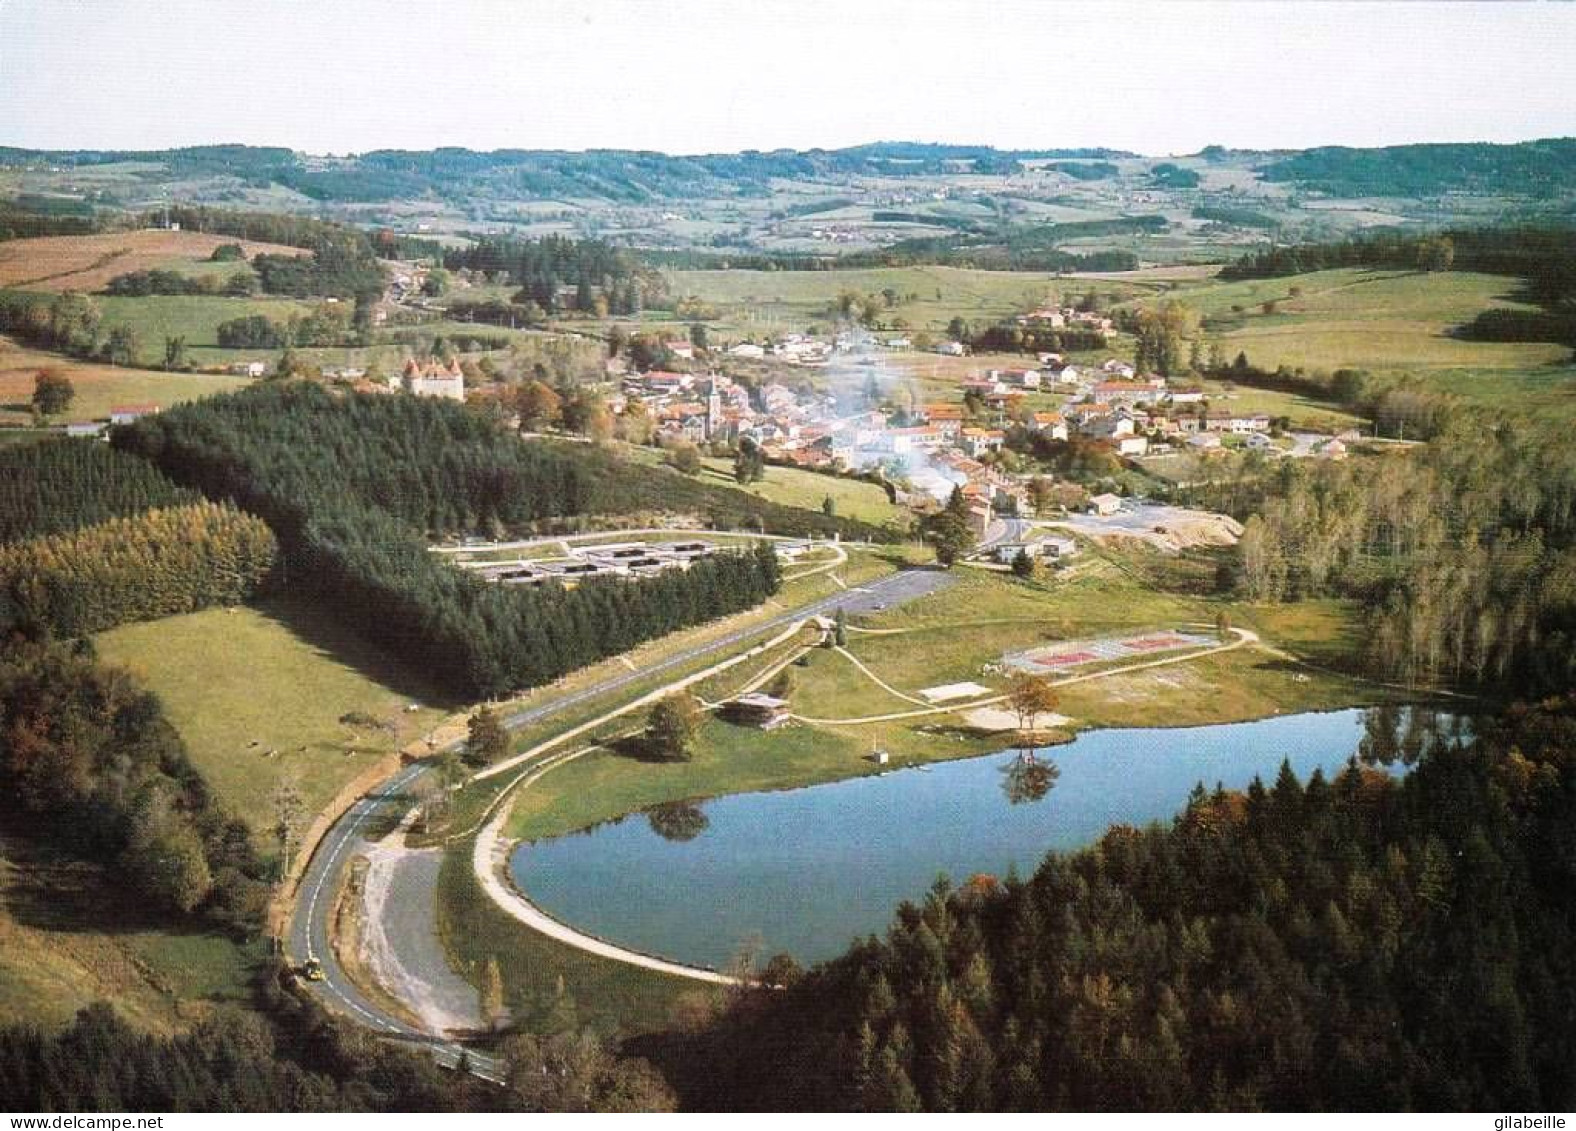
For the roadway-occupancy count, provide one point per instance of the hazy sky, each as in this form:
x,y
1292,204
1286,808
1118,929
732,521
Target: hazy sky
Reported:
x,y
707,75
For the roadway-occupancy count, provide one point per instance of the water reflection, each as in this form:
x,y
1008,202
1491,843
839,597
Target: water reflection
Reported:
x,y
1028,777
810,869
677,820
1395,734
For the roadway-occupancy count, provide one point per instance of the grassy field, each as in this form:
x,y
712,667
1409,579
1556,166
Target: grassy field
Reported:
x,y
98,387
794,487
194,317
70,937
1391,323
87,263
767,302
241,683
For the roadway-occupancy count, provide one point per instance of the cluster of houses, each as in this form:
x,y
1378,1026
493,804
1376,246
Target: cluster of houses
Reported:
x,y
1067,318
792,349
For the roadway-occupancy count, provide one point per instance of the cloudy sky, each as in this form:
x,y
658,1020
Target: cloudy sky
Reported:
x,y
1168,76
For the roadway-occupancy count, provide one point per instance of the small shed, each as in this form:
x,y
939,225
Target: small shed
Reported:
x,y
1106,504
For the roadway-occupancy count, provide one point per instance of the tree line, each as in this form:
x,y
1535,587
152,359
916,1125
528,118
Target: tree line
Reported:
x,y
605,279
328,324
63,484
156,281
1368,942
158,563
1462,555
293,1058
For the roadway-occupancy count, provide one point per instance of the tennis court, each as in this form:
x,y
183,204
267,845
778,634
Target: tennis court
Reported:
x,y
1065,655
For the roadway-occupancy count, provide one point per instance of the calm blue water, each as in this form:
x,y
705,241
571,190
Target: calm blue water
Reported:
x,y
809,870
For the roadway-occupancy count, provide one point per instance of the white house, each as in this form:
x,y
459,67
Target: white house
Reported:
x,y
1105,504
747,350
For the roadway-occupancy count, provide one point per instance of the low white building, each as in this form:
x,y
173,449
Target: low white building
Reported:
x,y
1106,504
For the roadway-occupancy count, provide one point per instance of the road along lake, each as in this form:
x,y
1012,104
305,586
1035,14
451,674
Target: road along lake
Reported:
x,y
807,870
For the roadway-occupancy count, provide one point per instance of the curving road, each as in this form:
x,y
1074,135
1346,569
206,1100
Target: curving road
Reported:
x,y
308,934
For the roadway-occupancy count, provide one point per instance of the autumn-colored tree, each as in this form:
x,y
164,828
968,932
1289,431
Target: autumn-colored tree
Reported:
x,y
1031,696
53,392
538,406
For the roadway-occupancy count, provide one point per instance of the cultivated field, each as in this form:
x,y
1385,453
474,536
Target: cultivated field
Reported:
x,y
87,263
98,387
257,694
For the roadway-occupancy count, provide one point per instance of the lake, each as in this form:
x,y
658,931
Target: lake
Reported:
x,y
808,870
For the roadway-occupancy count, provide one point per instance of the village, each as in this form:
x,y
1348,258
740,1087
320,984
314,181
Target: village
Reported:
x,y
827,405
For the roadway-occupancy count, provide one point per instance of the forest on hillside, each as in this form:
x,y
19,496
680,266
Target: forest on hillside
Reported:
x,y
1461,554
354,486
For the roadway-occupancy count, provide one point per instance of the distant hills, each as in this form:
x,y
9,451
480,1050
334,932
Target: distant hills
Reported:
x,y
1531,168
1535,168
610,174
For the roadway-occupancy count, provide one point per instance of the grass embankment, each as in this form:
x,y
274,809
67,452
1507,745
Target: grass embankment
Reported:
x,y
795,487
70,936
257,695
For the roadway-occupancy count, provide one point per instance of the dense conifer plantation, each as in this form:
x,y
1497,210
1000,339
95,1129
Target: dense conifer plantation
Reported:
x,y
62,484
353,485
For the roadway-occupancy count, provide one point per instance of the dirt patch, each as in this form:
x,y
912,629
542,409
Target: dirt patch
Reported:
x,y
398,944
348,936
88,263
998,719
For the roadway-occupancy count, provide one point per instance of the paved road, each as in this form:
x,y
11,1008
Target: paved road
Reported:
x,y
897,589
309,927
1002,530
308,936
